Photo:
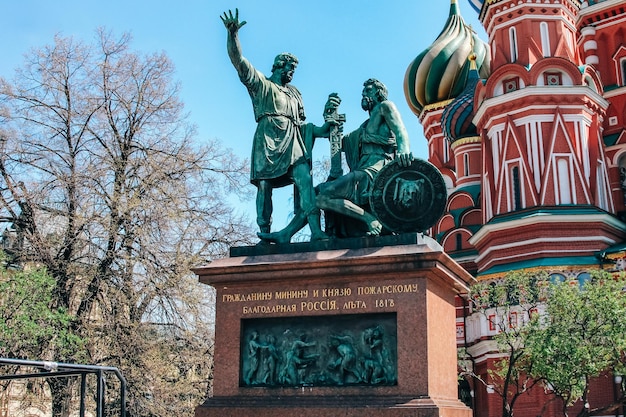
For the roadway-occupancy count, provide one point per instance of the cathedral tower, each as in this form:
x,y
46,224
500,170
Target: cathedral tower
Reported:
x,y
546,191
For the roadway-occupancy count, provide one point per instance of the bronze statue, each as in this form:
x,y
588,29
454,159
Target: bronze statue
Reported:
x,y
279,154
354,204
380,139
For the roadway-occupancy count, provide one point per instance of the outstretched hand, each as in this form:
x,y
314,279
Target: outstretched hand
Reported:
x,y
232,22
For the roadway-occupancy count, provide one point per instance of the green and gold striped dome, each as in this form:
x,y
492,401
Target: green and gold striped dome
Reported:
x,y
440,72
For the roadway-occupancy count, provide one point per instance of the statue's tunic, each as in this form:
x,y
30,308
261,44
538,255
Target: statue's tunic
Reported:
x,y
278,142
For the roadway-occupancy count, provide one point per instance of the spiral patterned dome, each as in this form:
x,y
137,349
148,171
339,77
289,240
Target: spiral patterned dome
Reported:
x,y
456,120
440,72
476,4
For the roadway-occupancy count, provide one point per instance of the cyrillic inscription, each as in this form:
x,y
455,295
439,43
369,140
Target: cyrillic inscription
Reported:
x,y
330,299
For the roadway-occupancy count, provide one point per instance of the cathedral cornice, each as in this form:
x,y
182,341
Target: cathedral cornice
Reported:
x,y
540,218
591,14
615,92
465,141
507,5
538,95
435,106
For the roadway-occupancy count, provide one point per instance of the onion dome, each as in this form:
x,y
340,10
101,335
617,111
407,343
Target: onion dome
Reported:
x,y
440,72
456,120
476,4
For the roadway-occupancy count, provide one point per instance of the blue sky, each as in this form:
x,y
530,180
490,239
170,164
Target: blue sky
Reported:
x,y
339,43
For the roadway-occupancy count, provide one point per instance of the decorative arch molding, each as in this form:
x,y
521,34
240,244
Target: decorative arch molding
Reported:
x,y
460,200
591,78
449,176
471,217
621,140
480,93
619,155
619,58
445,223
619,53
557,64
495,82
449,242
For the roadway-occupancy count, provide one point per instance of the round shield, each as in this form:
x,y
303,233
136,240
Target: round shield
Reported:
x,y
408,199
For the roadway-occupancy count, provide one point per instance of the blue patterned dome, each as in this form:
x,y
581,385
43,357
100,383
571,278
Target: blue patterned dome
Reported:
x,y
476,4
456,120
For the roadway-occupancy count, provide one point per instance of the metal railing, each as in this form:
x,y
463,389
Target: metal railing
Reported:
x,y
66,370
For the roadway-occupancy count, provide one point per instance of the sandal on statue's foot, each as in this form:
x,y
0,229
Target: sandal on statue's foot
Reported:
x,y
274,237
375,228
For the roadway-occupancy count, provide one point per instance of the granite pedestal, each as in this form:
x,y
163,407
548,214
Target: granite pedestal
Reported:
x,y
403,286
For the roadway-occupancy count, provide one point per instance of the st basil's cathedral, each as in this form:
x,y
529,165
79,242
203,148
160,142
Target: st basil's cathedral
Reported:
x,y
529,132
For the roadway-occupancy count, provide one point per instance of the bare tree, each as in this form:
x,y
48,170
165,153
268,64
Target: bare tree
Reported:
x,y
104,185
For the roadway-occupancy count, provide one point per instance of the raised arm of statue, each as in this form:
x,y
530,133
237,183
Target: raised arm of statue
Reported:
x,y
394,121
232,24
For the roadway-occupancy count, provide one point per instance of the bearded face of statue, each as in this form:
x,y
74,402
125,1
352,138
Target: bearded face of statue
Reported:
x,y
367,103
369,97
287,73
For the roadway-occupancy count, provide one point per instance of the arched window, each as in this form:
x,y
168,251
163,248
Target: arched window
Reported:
x,y
513,43
583,277
466,165
459,241
623,66
517,190
545,39
564,181
622,176
556,277
600,186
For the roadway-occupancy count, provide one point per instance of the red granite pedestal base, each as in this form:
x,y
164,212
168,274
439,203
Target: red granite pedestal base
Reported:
x,y
331,407
411,287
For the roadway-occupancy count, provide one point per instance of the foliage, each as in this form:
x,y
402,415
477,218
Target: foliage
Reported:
x,y
103,184
565,334
28,324
509,304
581,336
